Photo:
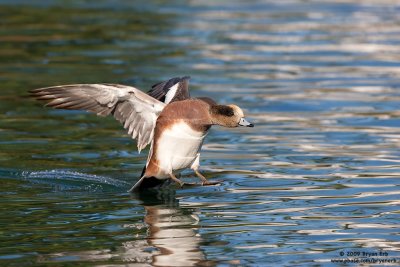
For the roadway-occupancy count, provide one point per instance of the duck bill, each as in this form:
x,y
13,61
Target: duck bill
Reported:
x,y
244,122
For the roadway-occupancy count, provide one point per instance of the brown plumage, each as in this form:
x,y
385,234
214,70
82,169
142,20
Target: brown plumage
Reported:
x,y
176,129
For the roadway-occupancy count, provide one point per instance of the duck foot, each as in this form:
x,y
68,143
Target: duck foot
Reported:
x,y
176,180
203,179
208,183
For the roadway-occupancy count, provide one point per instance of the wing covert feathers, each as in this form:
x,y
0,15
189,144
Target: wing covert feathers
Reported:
x,y
136,110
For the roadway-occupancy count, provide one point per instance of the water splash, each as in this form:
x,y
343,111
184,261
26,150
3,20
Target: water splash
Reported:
x,y
72,180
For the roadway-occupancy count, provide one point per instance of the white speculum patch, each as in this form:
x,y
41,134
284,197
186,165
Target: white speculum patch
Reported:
x,y
178,148
171,93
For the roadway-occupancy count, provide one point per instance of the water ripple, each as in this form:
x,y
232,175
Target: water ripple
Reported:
x,y
317,176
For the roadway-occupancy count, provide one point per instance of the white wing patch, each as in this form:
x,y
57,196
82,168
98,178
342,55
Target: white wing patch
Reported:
x,y
171,93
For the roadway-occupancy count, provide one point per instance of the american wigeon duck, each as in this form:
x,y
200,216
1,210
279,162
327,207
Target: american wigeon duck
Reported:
x,y
166,117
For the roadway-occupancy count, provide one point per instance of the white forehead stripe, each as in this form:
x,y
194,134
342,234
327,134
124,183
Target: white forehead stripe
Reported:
x,y
238,111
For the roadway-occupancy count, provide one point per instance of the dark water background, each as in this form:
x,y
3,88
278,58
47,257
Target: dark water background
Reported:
x,y
317,178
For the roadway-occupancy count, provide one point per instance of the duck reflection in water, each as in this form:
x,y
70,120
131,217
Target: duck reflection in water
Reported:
x,y
172,230
171,238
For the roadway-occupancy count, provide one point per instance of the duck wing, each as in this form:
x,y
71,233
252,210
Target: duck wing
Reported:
x,y
136,110
175,89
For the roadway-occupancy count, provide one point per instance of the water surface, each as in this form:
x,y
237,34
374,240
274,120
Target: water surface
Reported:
x,y
317,178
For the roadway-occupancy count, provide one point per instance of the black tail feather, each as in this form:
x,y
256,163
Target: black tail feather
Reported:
x,y
150,182
146,182
143,171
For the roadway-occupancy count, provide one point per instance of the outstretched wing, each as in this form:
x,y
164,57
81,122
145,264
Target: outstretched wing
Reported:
x,y
175,89
136,110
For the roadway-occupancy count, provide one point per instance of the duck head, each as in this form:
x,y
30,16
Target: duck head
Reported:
x,y
228,116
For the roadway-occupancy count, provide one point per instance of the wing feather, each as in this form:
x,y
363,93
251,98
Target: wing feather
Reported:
x,y
133,108
174,89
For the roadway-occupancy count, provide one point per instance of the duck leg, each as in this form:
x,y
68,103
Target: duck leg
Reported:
x,y
195,167
176,180
204,181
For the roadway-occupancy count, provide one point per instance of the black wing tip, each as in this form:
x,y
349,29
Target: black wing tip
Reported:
x,y
34,92
186,77
38,94
44,90
171,82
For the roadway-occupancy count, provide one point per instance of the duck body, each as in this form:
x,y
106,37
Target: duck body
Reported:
x,y
166,117
178,137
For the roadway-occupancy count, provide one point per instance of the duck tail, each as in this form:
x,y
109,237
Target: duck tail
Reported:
x,y
145,182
